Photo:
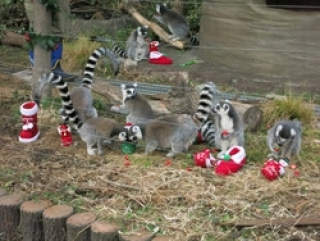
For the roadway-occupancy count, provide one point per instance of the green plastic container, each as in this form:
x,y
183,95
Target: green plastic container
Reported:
x,y
128,147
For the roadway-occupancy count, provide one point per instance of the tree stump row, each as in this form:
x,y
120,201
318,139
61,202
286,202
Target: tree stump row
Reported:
x,y
40,220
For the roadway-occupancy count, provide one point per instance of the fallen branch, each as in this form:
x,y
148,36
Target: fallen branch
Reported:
x,y
127,7
12,38
307,221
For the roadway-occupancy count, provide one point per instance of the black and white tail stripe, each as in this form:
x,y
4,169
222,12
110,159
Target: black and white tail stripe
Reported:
x,y
208,132
203,112
194,40
205,105
72,115
88,73
119,51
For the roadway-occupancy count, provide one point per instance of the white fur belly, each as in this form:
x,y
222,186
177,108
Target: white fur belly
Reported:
x,y
226,124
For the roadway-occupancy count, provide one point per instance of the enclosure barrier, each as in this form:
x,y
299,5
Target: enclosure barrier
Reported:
x,y
40,220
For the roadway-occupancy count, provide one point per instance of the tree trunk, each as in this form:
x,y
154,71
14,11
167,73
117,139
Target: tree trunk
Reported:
x,y
104,231
78,226
42,57
64,23
9,215
54,220
31,220
2,192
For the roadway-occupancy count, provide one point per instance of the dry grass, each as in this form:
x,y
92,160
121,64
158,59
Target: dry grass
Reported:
x,y
75,53
186,202
292,107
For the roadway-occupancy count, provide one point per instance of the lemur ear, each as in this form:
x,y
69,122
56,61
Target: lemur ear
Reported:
x,y
226,107
123,86
279,128
136,129
123,136
135,84
293,132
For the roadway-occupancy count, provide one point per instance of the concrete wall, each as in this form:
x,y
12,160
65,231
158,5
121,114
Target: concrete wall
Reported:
x,y
273,49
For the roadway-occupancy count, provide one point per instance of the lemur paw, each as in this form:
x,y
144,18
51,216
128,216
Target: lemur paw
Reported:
x,y
221,155
115,108
91,151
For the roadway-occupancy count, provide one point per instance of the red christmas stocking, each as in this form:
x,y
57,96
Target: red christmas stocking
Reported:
x,y
155,57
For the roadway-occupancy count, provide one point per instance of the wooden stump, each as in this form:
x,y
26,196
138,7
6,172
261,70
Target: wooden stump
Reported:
x,y
31,219
54,220
78,226
2,192
9,214
101,230
252,118
144,236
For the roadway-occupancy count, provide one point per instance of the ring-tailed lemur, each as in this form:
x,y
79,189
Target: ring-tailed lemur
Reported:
x,y
137,45
204,114
229,127
176,23
81,95
176,132
95,131
284,138
136,107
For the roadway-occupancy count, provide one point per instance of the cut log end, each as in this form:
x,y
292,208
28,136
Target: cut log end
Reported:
x,y
104,227
35,206
81,219
11,200
58,211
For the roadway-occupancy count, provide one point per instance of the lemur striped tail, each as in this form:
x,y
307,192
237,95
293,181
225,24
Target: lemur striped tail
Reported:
x,y
205,105
119,51
92,62
58,82
116,49
203,112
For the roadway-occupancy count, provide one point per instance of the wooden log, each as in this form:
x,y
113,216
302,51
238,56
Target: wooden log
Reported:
x,y
78,226
101,230
304,221
127,6
112,93
31,224
2,192
12,38
54,220
10,214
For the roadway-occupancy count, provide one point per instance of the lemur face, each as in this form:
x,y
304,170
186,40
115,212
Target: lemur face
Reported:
x,y
142,31
128,91
222,108
284,134
161,8
131,134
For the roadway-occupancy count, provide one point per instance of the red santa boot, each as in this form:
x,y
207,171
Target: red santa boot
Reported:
x,y
155,57
204,159
234,159
29,132
65,134
273,169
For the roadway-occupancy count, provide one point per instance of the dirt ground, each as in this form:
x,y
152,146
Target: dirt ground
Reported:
x,y
187,203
